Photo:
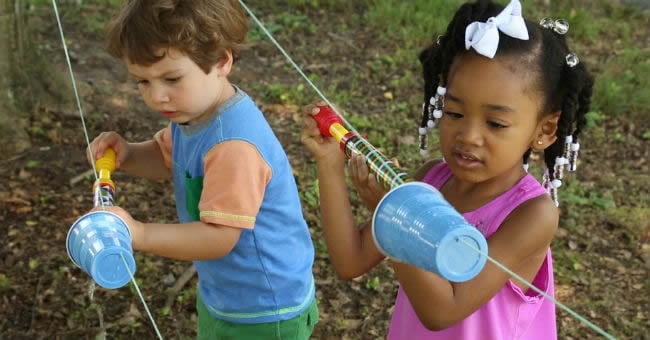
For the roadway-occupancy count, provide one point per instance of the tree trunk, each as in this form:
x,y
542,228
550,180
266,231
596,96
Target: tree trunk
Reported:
x,y
13,108
22,80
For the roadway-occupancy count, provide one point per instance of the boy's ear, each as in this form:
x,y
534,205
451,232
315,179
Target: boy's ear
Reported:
x,y
546,131
224,66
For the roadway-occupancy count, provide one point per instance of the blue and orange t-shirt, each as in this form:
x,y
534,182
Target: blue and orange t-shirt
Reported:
x,y
231,170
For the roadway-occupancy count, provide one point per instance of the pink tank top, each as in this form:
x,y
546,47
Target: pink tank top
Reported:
x,y
510,314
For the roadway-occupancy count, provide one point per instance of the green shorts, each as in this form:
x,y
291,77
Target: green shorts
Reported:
x,y
298,328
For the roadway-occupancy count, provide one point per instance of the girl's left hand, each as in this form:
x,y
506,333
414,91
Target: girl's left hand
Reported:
x,y
365,181
135,227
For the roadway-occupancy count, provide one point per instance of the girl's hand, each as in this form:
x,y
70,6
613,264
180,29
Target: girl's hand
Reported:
x,y
135,227
324,149
109,140
365,182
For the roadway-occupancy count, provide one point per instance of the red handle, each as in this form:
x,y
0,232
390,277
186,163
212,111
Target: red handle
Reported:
x,y
325,118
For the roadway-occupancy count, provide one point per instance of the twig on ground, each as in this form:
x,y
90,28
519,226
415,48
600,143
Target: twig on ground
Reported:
x,y
178,285
101,335
81,177
346,41
35,305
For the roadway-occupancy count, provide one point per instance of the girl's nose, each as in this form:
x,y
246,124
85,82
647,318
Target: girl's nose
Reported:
x,y
470,134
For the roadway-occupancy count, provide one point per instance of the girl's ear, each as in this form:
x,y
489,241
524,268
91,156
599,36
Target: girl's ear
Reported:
x,y
546,132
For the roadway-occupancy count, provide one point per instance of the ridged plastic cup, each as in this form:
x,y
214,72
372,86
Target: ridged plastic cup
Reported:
x,y
99,243
414,224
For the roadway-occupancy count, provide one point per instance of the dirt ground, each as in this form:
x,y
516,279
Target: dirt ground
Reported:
x,y
603,271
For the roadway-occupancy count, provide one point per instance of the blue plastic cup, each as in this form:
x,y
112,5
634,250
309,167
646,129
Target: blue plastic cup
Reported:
x,y
99,243
414,224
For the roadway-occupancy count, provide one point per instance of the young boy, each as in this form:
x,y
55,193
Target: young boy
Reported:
x,y
240,217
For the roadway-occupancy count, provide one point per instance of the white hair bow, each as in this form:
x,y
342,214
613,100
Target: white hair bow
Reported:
x,y
484,37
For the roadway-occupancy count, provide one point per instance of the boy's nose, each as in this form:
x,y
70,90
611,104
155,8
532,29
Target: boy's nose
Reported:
x,y
159,95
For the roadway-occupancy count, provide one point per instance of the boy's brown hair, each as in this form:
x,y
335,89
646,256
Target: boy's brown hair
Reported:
x,y
201,29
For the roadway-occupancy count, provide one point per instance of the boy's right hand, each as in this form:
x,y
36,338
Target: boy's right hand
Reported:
x,y
109,140
324,149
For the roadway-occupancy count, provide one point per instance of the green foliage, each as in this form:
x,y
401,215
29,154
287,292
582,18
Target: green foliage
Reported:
x,y
282,23
282,93
310,196
373,283
138,281
594,118
576,194
91,15
624,86
187,295
4,281
33,264
414,23
316,3
320,247
32,164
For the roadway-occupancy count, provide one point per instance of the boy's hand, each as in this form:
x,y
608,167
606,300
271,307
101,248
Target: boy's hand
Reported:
x,y
109,140
365,182
324,149
135,227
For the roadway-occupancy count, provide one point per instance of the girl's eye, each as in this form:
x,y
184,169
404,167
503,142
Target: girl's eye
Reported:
x,y
142,82
173,80
454,115
496,125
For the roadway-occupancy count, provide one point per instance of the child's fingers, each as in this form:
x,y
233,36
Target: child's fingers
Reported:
x,y
310,130
352,171
306,110
104,141
373,184
309,123
110,140
358,170
312,109
362,168
311,137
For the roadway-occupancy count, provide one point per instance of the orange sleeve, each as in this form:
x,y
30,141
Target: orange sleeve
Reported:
x,y
234,182
164,140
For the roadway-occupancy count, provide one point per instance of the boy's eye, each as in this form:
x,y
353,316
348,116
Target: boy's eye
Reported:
x,y
142,82
454,115
496,125
173,79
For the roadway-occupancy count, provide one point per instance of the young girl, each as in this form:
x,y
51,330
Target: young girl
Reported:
x,y
500,88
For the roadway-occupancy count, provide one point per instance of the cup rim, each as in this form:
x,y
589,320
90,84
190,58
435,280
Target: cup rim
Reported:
x,y
374,214
67,238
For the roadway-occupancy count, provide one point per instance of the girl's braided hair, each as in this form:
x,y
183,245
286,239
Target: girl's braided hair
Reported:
x,y
563,87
